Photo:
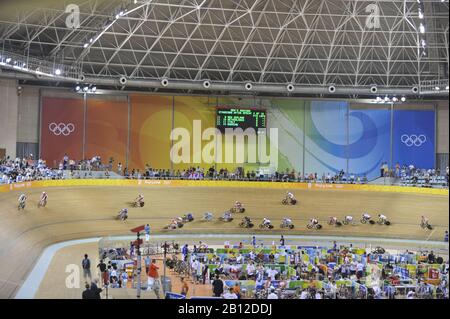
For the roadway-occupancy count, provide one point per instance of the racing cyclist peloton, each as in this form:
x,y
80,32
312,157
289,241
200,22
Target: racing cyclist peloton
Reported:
x,y
313,222
22,201
287,221
140,201
43,200
424,222
208,216
348,219
290,197
333,220
246,221
366,217
227,216
173,224
266,222
382,218
123,214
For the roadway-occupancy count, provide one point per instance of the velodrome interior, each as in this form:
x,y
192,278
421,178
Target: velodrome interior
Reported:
x,y
346,91
86,211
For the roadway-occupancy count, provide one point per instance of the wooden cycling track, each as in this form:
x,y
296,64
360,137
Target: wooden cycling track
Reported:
x,y
87,211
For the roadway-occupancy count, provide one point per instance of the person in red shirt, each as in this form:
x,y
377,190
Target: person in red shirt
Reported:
x,y
153,278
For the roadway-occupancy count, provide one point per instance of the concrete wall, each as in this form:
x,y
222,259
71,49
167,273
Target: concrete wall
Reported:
x,y
442,127
28,116
8,116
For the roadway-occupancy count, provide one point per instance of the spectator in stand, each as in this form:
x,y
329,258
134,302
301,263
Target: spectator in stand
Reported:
x,y
65,161
272,294
237,290
230,294
147,263
431,258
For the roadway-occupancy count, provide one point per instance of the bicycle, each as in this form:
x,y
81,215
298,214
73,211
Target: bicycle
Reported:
x,y
426,226
42,203
287,225
314,226
364,221
246,225
235,210
346,222
383,222
289,202
208,217
335,223
265,226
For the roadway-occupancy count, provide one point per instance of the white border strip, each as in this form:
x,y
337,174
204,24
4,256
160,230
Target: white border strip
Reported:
x,y
35,277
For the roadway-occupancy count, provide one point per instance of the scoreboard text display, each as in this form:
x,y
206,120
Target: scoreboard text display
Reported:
x,y
240,118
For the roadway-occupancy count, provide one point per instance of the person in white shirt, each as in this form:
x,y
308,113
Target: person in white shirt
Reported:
x,y
411,294
366,216
348,219
318,295
227,216
139,201
304,294
382,218
359,270
290,198
252,255
195,265
22,201
250,269
287,221
272,294
271,273
313,222
230,294
333,220
123,214
43,199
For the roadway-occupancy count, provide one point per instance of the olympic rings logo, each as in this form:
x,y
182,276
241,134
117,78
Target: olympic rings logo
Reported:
x,y
61,128
413,140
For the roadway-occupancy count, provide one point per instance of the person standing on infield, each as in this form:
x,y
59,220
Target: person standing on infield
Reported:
x,y
153,278
86,264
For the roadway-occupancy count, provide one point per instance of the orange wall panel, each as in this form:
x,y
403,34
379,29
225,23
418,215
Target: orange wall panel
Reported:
x,y
151,124
106,130
61,129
